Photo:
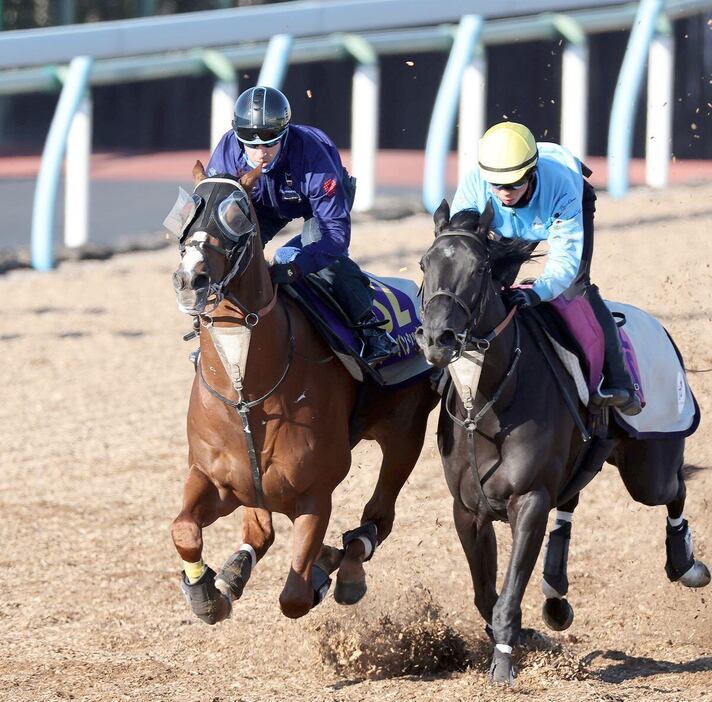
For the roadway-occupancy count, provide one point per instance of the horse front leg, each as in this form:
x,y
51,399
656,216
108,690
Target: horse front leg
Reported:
x,y
257,537
308,580
556,611
480,546
203,503
527,514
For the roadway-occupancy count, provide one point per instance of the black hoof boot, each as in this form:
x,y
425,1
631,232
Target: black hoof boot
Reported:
x,y
233,576
501,671
206,601
557,613
681,565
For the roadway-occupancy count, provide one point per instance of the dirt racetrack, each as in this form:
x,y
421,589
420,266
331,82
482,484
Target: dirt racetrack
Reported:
x,y
92,410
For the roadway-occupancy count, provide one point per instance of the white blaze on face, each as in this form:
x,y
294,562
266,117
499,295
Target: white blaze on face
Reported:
x,y
194,254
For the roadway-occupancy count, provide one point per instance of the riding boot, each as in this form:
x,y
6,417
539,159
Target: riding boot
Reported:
x,y
617,389
378,343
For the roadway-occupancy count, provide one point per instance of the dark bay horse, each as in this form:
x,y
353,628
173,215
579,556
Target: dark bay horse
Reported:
x,y
275,433
514,466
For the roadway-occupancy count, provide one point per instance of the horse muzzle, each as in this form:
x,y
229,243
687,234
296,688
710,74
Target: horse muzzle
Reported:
x,y
191,291
439,345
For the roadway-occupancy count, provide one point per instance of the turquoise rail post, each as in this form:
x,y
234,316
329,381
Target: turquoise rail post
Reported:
x,y
442,121
625,98
45,200
274,66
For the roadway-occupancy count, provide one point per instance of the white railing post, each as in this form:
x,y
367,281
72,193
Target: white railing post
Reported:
x,y
224,93
221,110
364,134
658,133
473,112
574,85
365,88
77,176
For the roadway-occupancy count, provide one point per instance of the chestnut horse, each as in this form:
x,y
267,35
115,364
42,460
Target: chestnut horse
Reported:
x,y
276,433
510,451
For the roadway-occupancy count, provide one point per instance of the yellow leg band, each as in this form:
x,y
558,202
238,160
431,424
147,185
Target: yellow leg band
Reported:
x,y
193,571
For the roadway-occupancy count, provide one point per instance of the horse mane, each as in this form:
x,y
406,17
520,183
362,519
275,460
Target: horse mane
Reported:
x,y
506,255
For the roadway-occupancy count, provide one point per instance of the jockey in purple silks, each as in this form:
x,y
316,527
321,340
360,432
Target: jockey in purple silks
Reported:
x,y
540,193
302,177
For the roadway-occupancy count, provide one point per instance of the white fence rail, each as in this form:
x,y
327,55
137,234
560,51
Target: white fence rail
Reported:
x,y
302,20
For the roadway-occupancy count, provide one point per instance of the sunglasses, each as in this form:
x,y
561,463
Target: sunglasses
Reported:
x,y
512,186
263,137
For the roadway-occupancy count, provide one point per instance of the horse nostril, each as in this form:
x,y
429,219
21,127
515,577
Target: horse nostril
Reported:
x,y
178,281
419,332
200,281
447,339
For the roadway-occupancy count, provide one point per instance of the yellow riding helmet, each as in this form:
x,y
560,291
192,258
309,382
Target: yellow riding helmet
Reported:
x,y
507,151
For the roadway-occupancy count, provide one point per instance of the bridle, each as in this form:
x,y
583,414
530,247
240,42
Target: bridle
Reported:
x,y
466,337
238,257
481,344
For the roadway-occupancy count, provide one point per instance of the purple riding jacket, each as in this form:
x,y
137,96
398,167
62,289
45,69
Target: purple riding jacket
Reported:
x,y
305,181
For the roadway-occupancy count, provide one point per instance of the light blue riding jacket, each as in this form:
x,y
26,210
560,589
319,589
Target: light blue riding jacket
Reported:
x,y
554,213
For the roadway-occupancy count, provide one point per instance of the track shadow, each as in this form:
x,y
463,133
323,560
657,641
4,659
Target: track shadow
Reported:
x,y
627,667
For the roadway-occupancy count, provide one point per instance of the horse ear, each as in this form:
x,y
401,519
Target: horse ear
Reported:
x,y
249,179
198,172
441,217
486,217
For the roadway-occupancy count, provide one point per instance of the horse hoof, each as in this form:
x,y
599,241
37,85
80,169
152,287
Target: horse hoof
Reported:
x,y
349,593
557,613
697,576
206,601
501,671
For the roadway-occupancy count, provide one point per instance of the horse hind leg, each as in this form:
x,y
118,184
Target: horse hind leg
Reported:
x,y
202,505
652,471
400,454
680,563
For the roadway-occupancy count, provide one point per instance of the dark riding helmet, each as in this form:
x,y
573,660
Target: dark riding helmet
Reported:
x,y
262,115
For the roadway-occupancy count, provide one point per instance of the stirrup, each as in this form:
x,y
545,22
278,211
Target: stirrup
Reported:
x,y
625,400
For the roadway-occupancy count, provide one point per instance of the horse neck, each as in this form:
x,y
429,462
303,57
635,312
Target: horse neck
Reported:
x,y
499,357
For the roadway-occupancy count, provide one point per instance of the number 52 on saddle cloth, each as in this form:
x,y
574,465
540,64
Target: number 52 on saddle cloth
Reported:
x,y
396,304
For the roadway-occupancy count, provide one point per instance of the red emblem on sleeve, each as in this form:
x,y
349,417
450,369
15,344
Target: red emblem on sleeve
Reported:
x,y
330,187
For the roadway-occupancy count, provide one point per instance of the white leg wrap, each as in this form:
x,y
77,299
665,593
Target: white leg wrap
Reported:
x,y
549,591
564,516
251,551
675,522
367,545
504,648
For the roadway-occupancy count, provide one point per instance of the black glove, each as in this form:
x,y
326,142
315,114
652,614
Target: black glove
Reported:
x,y
522,297
284,273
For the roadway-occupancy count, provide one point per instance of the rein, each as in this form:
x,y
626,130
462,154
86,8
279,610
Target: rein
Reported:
x,y
243,408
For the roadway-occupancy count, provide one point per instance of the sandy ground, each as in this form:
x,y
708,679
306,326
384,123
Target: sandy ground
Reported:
x,y
95,390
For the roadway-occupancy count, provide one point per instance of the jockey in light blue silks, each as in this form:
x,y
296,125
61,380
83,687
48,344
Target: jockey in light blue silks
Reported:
x,y
540,194
302,177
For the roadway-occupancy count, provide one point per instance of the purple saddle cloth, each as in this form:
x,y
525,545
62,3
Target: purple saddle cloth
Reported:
x,y
581,323
395,303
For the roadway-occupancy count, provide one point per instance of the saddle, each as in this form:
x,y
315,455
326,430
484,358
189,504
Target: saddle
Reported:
x,y
651,357
395,305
